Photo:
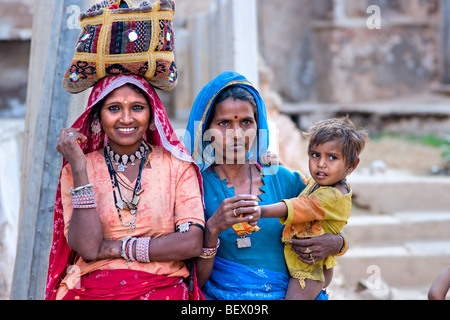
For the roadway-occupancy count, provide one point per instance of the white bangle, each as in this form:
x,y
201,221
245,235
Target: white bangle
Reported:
x,y
123,254
87,187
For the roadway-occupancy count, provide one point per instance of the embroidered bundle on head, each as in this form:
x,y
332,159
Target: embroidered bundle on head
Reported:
x,y
118,39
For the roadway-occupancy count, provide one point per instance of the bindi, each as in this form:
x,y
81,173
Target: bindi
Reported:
x,y
235,117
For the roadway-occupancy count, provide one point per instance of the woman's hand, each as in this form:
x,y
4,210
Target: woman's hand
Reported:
x,y
85,232
68,146
311,250
242,208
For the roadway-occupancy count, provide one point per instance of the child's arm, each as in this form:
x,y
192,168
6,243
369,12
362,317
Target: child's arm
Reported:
x,y
440,287
299,209
276,210
303,209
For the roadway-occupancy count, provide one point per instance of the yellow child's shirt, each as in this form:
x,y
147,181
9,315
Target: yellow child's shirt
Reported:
x,y
311,214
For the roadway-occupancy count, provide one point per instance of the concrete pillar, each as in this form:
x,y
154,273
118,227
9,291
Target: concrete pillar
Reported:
x,y
234,38
245,39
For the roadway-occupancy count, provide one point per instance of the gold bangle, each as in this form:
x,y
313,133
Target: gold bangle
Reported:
x,y
343,248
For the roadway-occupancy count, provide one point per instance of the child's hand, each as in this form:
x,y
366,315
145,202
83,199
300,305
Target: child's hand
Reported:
x,y
270,159
255,216
247,210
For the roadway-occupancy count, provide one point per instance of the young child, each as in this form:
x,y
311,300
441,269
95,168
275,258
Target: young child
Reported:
x,y
324,205
440,286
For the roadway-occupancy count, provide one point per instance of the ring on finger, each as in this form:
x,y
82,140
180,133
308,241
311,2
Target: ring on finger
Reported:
x,y
308,251
235,214
70,134
310,257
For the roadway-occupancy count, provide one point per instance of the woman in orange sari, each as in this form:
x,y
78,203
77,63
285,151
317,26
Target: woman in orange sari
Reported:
x,y
128,210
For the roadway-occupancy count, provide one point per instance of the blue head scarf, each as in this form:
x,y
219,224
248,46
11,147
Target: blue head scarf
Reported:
x,y
202,109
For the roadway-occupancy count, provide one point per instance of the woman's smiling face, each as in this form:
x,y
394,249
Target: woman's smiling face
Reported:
x,y
232,129
125,116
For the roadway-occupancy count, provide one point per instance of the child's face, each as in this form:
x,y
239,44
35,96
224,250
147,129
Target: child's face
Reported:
x,y
327,164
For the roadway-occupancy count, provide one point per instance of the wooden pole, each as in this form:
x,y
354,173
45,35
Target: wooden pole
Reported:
x,y
49,109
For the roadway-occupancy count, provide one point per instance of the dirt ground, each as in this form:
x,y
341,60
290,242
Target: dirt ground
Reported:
x,y
401,154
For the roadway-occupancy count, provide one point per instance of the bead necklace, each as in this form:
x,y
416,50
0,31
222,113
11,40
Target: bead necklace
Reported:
x,y
116,183
124,159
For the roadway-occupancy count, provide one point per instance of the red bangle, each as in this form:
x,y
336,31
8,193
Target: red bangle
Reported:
x,y
208,253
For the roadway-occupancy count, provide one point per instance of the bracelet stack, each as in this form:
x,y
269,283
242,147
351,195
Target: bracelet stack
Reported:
x,y
83,197
208,253
142,249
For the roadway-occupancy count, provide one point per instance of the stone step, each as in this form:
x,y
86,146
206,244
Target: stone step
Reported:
x,y
398,227
410,264
397,191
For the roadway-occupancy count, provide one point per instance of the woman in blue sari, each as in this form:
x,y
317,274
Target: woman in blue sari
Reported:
x,y
226,134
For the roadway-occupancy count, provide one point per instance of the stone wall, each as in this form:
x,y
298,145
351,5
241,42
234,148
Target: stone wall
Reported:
x,y
16,19
11,140
286,37
324,51
361,65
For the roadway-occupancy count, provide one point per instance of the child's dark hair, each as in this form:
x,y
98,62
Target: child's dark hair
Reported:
x,y
351,140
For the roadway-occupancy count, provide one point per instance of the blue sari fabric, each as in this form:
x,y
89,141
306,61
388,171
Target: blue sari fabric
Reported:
x,y
234,281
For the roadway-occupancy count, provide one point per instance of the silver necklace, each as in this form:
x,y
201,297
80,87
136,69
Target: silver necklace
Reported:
x,y
121,161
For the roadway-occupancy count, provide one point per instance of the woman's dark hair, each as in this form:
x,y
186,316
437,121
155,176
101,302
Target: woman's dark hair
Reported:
x,y
235,93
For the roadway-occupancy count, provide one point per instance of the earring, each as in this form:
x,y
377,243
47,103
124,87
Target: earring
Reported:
x,y
152,126
96,126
